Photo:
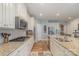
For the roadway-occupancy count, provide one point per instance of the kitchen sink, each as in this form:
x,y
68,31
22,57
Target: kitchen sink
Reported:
x,y
19,39
63,40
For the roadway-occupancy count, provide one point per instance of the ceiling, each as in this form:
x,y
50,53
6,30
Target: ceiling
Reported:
x,y
54,11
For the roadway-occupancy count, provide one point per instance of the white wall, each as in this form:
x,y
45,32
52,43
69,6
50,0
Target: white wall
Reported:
x,y
72,26
39,31
40,35
32,23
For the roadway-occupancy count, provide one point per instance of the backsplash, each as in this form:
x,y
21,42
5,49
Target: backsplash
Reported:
x,y
14,33
1,39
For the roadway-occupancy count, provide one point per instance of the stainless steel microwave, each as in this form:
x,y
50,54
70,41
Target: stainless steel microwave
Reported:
x,y
20,23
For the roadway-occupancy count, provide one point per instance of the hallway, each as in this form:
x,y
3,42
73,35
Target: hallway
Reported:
x,y
40,49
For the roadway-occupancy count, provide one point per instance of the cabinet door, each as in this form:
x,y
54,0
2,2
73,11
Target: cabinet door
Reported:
x,y
4,15
7,15
0,15
12,15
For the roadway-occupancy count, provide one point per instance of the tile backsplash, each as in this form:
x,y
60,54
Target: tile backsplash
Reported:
x,y
1,39
14,33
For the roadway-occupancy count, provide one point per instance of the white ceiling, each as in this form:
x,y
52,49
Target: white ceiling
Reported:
x,y
49,11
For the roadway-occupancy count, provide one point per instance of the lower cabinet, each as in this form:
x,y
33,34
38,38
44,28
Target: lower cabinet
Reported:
x,y
58,50
24,50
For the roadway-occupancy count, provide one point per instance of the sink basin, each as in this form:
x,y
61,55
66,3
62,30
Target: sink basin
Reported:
x,y
19,39
63,40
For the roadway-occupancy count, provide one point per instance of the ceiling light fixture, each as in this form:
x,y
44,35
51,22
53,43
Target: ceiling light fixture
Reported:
x,y
69,17
57,14
41,14
41,3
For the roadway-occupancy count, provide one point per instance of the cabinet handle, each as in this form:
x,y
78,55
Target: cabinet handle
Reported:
x,y
4,24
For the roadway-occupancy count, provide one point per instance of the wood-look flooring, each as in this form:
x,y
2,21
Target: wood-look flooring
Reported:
x,y
40,47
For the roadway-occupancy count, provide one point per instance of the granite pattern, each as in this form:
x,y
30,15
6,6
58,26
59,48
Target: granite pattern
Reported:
x,y
72,46
7,48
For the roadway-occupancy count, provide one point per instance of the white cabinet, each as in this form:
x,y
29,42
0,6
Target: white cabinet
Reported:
x,y
12,15
4,15
1,15
25,49
7,15
19,8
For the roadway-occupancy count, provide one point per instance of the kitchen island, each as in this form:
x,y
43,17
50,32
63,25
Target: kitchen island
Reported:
x,y
59,48
17,48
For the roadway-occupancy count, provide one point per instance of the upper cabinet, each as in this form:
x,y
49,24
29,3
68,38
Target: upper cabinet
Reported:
x,y
7,15
8,12
1,21
21,10
12,15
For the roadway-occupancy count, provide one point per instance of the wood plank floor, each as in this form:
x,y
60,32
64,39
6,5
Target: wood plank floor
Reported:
x,y
40,47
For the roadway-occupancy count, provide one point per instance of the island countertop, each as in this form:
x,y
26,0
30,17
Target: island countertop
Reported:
x,y
8,48
72,46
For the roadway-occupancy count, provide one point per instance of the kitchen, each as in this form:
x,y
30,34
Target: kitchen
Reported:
x,y
15,29
22,25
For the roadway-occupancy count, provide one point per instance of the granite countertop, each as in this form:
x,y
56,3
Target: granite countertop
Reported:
x,y
7,48
72,46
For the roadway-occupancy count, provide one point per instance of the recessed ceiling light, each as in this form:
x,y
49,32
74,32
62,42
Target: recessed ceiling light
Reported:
x,y
57,14
69,17
41,14
41,3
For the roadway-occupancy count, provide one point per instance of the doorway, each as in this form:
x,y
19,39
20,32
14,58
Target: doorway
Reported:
x,y
61,29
